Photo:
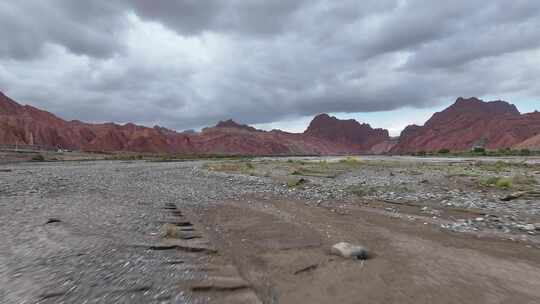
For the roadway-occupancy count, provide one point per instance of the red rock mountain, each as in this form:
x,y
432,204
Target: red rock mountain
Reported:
x,y
347,132
468,123
28,125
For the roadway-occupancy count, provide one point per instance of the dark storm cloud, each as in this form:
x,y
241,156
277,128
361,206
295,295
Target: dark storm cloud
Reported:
x,y
83,27
189,63
192,17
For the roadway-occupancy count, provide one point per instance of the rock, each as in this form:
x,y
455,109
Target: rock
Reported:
x,y
529,227
348,250
513,196
349,132
53,220
221,283
178,232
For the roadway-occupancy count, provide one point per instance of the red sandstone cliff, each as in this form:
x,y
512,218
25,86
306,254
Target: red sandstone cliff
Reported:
x,y
469,122
346,132
27,125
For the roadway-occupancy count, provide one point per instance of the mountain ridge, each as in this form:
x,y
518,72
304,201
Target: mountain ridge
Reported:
x,y
466,123
27,125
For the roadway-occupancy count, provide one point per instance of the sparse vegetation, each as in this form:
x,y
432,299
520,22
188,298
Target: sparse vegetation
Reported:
x,y
243,167
496,181
293,182
444,151
38,158
479,150
351,161
524,180
363,190
525,152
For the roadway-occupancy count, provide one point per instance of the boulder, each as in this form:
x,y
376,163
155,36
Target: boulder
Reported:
x,y
348,250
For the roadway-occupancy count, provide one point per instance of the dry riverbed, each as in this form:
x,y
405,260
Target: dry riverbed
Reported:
x,y
260,231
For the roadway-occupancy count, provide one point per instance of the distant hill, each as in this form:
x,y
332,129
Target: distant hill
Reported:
x,y
465,124
468,123
31,126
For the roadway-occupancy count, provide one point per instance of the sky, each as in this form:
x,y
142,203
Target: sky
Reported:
x,y
186,64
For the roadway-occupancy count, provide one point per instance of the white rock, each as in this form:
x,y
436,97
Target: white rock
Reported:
x,y
529,227
348,250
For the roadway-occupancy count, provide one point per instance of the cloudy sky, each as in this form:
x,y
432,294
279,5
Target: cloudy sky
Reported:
x,y
189,63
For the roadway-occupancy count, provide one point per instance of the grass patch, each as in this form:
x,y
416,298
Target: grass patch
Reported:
x,y
524,181
314,172
324,168
518,181
351,161
497,182
236,167
293,182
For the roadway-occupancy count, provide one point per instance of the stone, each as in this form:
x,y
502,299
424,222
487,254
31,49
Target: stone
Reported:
x,y
513,196
348,250
53,220
529,227
178,232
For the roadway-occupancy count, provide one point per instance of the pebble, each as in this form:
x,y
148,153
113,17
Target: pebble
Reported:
x,y
348,250
529,227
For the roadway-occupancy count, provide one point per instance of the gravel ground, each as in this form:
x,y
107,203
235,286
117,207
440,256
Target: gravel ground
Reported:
x,y
431,184
104,209
71,232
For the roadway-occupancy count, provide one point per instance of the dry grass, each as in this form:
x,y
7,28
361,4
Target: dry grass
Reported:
x,y
234,167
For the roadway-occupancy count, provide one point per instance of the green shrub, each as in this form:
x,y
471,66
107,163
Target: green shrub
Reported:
x,y
505,183
295,182
479,150
504,151
524,152
444,151
350,160
499,182
38,158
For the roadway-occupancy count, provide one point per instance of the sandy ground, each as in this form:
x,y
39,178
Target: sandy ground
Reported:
x,y
283,248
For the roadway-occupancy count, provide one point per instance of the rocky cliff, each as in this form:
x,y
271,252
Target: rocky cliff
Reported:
x,y
470,122
27,125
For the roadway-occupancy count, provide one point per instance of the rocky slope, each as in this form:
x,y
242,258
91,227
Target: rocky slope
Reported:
x,y
469,123
532,143
26,125
347,132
